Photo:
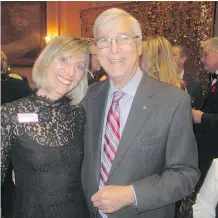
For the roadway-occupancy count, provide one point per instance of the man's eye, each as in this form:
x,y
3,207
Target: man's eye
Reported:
x,y
63,59
103,40
124,37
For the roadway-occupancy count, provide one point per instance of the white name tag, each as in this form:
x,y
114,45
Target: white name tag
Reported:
x,y
27,118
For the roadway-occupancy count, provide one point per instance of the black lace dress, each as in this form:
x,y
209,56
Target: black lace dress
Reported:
x,y
46,156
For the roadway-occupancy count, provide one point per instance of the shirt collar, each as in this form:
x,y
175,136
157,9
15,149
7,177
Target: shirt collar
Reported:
x,y
131,87
216,72
181,74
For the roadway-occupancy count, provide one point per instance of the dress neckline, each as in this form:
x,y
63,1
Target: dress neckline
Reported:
x,y
47,101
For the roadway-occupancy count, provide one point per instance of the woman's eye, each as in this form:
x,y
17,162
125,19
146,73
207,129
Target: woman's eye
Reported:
x,y
80,67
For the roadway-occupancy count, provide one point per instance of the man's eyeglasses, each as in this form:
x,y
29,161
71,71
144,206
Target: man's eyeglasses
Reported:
x,y
120,40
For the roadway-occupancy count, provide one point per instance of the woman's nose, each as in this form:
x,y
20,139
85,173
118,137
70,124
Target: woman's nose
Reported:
x,y
70,69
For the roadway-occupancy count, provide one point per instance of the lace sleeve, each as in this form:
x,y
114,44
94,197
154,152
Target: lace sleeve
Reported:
x,y
6,138
80,118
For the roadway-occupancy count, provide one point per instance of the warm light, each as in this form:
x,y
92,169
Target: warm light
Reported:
x,y
8,68
49,38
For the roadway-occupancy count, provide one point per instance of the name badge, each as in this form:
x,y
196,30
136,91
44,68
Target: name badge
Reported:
x,y
27,118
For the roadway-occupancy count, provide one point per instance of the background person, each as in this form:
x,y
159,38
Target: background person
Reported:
x,y
97,71
5,70
158,62
11,90
206,119
192,84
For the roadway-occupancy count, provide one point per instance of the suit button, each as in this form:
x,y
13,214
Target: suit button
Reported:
x,y
93,214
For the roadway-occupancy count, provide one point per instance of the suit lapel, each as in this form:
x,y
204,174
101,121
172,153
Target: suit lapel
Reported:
x,y
139,112
185,77
207,95
98,110
187,81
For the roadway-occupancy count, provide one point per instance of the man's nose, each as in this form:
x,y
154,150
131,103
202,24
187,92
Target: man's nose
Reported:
x,y
114,46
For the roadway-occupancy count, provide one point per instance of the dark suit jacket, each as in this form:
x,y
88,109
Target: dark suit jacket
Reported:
x,y
10,73
194,89
157,153
207,131
97,76
11,90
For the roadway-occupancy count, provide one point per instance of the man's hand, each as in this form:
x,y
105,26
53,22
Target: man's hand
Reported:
x,y
196,115
112,198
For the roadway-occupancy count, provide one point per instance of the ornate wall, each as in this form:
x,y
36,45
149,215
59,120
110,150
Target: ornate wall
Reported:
x,y
186,23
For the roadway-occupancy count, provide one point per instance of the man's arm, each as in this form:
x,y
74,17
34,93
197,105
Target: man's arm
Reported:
x,y
207,121
180,165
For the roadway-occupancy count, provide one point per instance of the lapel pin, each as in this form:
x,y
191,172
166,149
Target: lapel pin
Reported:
x,y
144,107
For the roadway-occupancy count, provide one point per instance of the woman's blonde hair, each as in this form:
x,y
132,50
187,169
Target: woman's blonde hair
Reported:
x,y
157,52
61,44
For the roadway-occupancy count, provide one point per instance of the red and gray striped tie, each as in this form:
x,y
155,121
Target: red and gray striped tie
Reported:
x,y
111,138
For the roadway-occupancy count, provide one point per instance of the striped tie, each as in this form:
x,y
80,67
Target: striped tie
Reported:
x,y
111,138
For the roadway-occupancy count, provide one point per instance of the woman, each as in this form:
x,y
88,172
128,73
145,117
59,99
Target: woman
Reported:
x,y
207,198
42,134
157,60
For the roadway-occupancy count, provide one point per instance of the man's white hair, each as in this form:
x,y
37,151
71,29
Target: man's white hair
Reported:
x,y
213,42
117,13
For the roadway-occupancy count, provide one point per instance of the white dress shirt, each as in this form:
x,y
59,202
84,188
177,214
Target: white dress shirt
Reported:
x,y
181,74
214,80
207,199
125,104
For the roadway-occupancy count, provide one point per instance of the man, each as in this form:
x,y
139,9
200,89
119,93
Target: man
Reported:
x,y
13,86
192,84
4,61
96,72
140,150
206,119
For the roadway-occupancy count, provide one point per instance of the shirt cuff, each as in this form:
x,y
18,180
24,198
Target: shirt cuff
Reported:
x,y
135,204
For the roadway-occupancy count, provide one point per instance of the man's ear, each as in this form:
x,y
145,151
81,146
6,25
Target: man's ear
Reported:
x,y
97,53
139,47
